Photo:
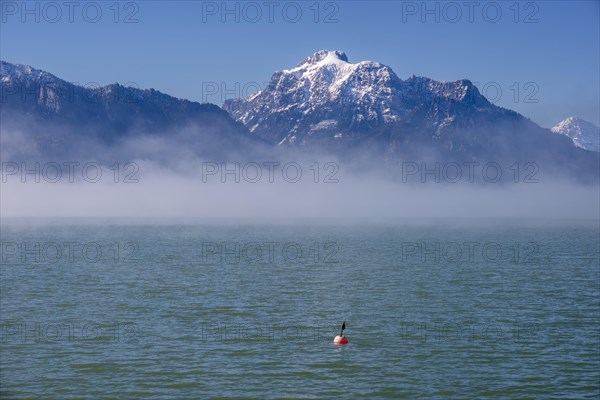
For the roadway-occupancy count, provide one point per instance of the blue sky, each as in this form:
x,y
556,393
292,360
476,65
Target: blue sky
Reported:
x,y
541,58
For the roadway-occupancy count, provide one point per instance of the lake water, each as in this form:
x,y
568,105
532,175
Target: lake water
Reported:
x,y
209,309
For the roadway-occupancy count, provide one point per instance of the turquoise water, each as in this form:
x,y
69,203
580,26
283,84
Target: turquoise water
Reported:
x,y
433,309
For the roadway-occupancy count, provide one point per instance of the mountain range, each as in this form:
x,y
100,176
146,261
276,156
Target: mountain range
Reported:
x,y
326,105
46,117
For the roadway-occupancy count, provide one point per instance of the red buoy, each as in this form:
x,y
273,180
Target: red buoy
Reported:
x,y
340,340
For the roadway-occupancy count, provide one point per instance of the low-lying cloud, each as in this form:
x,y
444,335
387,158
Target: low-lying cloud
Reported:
x,y
156,191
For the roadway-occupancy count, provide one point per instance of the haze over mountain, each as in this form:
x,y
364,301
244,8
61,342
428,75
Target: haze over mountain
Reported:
x,y
361,112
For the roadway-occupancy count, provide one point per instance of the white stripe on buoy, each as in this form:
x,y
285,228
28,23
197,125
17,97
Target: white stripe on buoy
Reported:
x,y
340,340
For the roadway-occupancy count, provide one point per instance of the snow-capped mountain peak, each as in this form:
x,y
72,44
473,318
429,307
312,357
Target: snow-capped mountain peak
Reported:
x,y
584,134
324,75
327,97
10,72
325,57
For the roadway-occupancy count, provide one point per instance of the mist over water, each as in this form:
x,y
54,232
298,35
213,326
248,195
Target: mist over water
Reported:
x,y
196,172
279,189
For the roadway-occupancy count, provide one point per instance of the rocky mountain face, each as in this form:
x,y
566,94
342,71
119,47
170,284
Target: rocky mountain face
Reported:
x,y
45,116
327,97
